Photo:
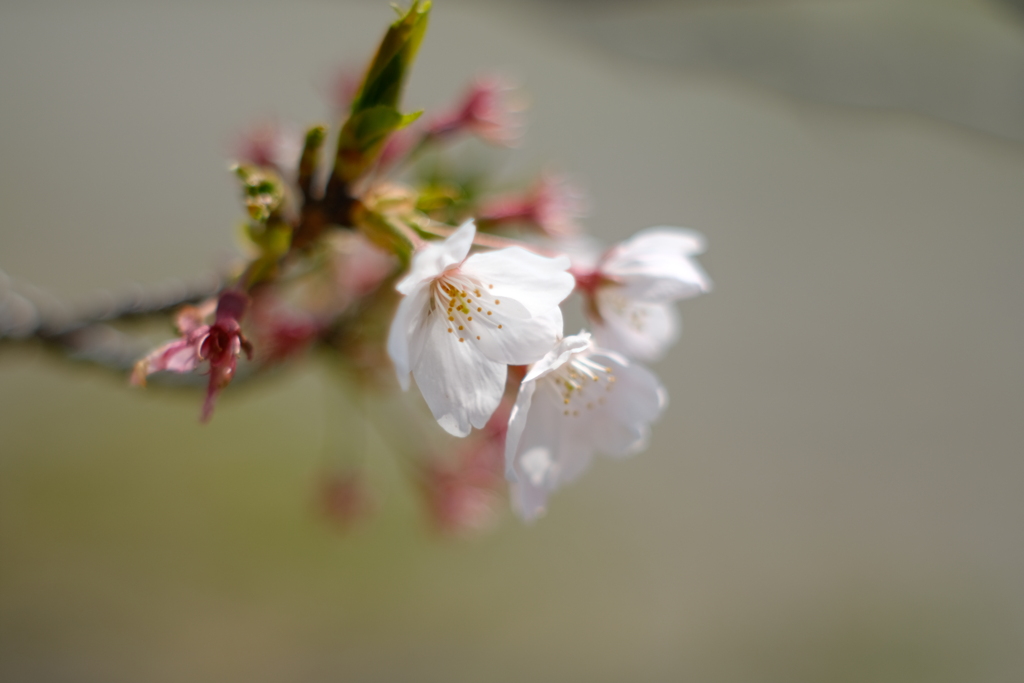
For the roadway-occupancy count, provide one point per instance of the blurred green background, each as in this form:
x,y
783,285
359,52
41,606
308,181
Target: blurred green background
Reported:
x,y
835,492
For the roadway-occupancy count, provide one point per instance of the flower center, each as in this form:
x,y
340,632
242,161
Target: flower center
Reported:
x,y
581,384
467,305
217,343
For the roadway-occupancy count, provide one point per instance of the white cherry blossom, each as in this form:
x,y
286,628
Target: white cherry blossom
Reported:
x,y
464,320
576,401
631,290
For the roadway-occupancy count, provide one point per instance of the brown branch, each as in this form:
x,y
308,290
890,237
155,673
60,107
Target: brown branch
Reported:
x,y
27,312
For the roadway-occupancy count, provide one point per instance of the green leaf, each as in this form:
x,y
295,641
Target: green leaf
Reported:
x,y
375,114
363,137
390,66
310,158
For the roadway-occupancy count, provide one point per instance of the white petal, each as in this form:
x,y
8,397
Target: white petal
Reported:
x,y
460,385
433,259
536,282
543,433
554,432
568,436
634,328
664,238
657,265
528,501
537,465
620,426
516,424
558,356
518,341
408,318
538,475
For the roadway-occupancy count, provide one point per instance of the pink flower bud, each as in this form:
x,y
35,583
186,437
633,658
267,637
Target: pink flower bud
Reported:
x,y
273,145
486,111
552,206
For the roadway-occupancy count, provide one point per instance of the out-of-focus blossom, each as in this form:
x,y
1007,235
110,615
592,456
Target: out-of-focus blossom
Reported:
x,y
553,206
286,321
274,145
631,290
218,345
488,110
345,498
281,331
358,267
463,495
462,321
578,400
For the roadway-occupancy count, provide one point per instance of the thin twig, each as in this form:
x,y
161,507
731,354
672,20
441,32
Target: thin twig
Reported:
x,y
27,312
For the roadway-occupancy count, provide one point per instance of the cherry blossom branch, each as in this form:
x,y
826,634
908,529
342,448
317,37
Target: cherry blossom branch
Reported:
x,y
30,315
27,312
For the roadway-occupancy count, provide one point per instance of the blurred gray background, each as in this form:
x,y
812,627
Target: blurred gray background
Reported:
x,y
835,493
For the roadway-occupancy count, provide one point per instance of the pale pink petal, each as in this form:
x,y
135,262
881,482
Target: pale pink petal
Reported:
x,y
433,259
592,401
516,425
408,318
657,265
570,436
176,356
190,318
553,444
518,341
559,355
636,329
537,282
663,239
529,492
460,385
620,425
182,358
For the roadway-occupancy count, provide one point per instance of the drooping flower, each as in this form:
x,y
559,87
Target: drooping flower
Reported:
x,y
487,110
631,289
553,206
218,344
577,401
462,321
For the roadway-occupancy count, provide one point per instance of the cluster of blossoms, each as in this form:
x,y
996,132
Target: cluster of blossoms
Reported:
x,y
406,270
464,320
